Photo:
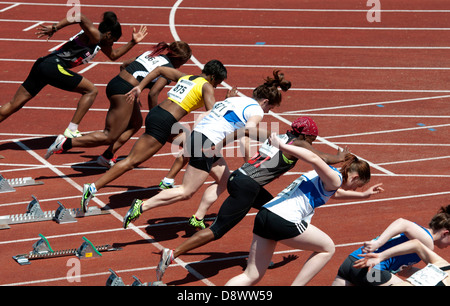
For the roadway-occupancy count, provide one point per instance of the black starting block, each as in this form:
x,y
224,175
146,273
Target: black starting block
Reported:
x,y
116,280
61,215
42,249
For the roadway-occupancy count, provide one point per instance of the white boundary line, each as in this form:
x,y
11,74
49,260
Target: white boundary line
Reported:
x,y
232,9
267,66
272,27
261,46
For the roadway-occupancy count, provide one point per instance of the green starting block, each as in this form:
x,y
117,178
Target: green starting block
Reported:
x,y
42,249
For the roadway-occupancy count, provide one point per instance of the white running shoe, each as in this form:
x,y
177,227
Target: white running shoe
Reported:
x,y
56,147
166,260
89,192
70,134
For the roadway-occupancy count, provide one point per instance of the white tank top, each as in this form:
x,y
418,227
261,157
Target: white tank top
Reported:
x,y
228,116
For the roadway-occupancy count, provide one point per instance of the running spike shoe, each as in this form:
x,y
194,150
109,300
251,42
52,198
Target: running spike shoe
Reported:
x,y
56,146
72,134
133,213
89,191
198,224
165,185
164,262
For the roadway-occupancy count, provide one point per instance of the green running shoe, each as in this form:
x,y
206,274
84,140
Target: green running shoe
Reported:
x,y
164,185
198,224
133,213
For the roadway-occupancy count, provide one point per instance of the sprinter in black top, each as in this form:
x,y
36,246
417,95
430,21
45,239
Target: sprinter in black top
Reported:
x,y
124,119
54,69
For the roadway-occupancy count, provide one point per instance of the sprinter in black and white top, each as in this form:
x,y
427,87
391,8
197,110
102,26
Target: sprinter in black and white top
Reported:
x,y
224,118
124,119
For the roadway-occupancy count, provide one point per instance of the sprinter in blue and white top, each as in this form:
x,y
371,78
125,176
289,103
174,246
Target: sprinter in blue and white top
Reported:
x,y
287,217
228,116
386,272
297,202
224,118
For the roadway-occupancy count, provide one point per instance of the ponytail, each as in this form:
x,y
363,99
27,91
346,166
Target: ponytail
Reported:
x,y
269,90
178,52
354,164
110,24
441,219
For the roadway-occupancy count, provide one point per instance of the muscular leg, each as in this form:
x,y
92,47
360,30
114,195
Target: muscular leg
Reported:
x,y
134,125
117,120
261,252
220,172
193,179
21,97
88,93
197,240
312,239
144,148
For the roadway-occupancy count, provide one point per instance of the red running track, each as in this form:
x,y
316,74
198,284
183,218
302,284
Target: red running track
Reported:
x,y
379,88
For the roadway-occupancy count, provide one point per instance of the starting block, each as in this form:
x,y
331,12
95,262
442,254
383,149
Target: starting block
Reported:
x,y
62,215
7,185
116,280
42,249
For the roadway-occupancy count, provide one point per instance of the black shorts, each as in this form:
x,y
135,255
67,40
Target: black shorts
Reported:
x,y
118,86
360,277
271,226
159,123
245,193
50,70
197,157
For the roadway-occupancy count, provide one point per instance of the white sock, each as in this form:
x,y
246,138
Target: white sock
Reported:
x,y
73,127
168,180
92,188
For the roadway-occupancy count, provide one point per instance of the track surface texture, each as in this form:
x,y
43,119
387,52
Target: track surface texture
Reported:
x,y
380,88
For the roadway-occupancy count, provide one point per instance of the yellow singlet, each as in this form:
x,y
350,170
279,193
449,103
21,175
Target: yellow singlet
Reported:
x,y
187,93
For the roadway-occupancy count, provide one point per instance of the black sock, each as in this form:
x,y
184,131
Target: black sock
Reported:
x,y
108,154
67,145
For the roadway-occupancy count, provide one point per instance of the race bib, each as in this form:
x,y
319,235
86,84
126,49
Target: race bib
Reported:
x,y
428,276
150,63
270,150
181,90
287,192
221,108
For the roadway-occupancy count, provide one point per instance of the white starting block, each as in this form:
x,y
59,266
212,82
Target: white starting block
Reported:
x,y
62,215
116,280
7,185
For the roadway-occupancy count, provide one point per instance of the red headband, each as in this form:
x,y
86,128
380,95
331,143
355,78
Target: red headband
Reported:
x,y
306,126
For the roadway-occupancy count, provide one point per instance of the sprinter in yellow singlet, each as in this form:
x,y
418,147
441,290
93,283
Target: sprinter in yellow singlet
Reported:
x,y
190,93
